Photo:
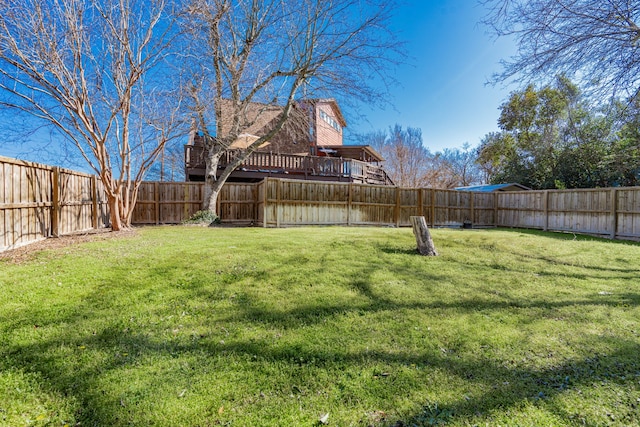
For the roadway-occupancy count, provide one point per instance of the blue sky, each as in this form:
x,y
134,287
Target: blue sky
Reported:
x,y
443,84
444,91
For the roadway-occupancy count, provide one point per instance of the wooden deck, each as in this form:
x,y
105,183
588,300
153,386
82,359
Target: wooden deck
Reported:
x,y
262,164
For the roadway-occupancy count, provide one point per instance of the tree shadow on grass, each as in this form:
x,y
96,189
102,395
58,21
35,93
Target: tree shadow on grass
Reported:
x,y
560,262
128,347
394,250
510,387
374,299
505,386
306,315
568,235
573,270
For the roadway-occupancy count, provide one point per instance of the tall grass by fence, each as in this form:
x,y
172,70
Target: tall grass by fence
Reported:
x,y
38,201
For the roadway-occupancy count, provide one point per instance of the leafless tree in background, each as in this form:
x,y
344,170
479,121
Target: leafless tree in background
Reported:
x,y
96,70
407,161
410,164
458,167
169,166
273,52
596,41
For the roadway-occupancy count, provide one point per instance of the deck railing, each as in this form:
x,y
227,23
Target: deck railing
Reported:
x,y
275,163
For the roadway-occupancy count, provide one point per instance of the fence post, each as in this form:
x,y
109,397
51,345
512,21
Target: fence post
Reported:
x,y
255,192
546,210
349,203
396,210
55,207
94,200
265,192
185,208
156,207
433,207
420,201
495,208
278,196
614,213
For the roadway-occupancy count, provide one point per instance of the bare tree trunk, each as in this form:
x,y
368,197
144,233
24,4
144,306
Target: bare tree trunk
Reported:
x,y
212,185
423,237
211,198
114,203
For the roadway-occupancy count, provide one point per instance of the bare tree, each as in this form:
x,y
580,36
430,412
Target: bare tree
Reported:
x,y
594,40
170,164
407,161
458,167
95,70
257,55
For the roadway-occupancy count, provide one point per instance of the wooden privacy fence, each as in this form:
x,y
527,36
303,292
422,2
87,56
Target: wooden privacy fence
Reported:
x,y
606,212
38,201
275,202
289,203
174,202
286,202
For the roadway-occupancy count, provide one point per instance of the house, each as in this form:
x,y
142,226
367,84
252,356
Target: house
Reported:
x,y
309,146
492,188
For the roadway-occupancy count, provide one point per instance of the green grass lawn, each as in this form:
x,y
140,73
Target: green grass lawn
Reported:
x,y
189,326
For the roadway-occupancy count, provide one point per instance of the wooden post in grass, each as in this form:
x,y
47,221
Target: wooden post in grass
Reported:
x,y
423,237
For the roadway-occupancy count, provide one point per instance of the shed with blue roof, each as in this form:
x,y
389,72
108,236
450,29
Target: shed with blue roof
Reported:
x,y
492,188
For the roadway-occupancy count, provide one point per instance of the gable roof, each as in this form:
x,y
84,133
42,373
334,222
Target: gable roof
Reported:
x,y
244,140
490,188
256,118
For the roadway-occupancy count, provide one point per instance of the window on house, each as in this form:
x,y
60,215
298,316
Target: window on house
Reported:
x,y
331,121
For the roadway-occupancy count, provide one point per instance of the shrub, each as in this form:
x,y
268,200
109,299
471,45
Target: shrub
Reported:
x,y
203,218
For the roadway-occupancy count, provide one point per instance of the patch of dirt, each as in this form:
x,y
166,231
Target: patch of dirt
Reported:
x,y
26,253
